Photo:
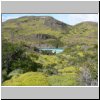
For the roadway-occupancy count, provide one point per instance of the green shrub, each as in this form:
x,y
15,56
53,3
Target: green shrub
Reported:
x,y
27,79
47,61
4,75
63,80
71,69
15,72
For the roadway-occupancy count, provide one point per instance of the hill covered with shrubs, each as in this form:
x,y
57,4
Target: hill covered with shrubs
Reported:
x,y
23,64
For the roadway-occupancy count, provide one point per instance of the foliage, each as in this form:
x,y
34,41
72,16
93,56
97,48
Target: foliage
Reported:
x,y
11,52
85,28
4,75
15,72
15,56
71,69
28,79
64,80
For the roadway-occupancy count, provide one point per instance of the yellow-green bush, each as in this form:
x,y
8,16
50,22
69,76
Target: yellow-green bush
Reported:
x,y
71,69
47,60
63,80
81,54
28,79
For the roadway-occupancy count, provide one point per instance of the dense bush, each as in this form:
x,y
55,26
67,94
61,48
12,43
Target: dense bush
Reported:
x,y
4,75
85,56
63,80
28,79
61,69
11,53
15,72
70,69
15,56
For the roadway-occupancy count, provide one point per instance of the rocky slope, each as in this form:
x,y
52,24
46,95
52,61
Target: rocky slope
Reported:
x,y
43,30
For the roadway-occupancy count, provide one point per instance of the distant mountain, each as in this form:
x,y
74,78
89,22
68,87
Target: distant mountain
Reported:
x,y
43,31
34,24
32,29
86,27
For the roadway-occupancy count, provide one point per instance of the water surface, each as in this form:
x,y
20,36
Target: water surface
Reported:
x,y
54,50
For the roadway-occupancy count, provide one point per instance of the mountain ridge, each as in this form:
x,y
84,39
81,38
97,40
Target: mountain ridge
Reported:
x,y
44,29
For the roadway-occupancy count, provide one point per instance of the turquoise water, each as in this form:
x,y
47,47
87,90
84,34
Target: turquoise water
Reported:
x,y
57,50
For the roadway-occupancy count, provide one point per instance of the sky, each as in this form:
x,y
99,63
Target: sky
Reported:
x,y
70,19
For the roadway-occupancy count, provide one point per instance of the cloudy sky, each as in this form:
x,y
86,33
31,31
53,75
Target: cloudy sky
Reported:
x,y
71,19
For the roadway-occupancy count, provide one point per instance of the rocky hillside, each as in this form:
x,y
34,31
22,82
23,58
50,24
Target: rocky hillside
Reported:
x,y
35,25
43,31
33,29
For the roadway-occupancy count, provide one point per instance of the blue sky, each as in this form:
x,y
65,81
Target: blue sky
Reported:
x,y
71,19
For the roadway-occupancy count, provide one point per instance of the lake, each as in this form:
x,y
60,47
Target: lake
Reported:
x,y
57,50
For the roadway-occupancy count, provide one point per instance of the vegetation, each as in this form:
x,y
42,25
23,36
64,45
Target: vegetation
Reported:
x,y
23,64
28,79
65,80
